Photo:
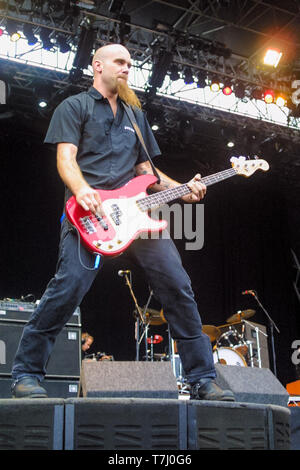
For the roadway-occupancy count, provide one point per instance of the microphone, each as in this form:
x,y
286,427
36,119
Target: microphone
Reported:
x,y
250,292
121,273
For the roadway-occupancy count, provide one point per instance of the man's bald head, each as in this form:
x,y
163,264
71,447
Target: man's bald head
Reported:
x,y
106,51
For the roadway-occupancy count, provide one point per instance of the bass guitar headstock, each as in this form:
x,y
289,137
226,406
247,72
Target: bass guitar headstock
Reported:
x,y
245,167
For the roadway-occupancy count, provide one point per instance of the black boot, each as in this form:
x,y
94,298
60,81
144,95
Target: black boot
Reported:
x,y
207,389
28,387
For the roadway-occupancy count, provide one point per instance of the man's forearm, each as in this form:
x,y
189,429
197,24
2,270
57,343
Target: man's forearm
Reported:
x,y
198,190
68,168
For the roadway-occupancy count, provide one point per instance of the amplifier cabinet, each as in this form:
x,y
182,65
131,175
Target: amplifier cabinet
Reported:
x,y
56,387
64,361
21,312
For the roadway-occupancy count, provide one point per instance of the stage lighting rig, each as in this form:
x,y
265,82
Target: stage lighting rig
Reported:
x,y
29,35
240,90
45,38
161,65
269,96
63,44
188,77
215,84
174,73
272,57
227,88
13,30
201,79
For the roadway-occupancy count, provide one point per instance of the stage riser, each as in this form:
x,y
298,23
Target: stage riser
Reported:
x,y
141,424
36,424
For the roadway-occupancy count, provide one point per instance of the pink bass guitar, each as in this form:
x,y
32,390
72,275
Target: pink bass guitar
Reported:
x,y
126,209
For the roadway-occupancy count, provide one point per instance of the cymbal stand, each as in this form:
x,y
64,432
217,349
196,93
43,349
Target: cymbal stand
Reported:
x,y
272,325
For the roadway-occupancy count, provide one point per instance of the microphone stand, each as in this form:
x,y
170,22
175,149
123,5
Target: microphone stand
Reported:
x,y
272,325
140,318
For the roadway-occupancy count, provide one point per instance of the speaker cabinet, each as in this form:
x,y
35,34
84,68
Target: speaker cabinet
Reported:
x,y
33,424
124,423
128,379
236,426
252,384
295,427
64,360
56,388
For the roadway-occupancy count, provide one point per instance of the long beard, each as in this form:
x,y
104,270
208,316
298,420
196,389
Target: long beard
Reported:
x,y
128,95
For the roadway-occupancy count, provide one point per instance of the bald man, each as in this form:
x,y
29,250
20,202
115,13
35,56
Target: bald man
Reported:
x,y
97,148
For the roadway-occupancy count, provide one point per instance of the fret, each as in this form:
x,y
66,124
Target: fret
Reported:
x,y
168,195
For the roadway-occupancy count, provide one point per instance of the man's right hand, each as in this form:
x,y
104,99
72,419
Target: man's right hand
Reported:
x,y
89,199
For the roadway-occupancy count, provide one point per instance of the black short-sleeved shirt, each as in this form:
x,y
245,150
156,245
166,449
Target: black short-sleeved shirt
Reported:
x,y
108,148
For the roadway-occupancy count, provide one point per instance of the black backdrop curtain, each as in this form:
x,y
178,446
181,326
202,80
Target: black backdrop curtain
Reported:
x,y
250,226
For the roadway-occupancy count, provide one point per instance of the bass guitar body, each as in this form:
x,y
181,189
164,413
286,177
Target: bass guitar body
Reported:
x,y
123,221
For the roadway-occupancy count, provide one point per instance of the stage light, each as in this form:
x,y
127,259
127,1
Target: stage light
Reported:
x,y
62,44
155,127
269,96
1,31
257,94
188,76
230,144
239,90
28,33
215,85
272,57
280,100
201,79
174,73
42,103
12,29
227,90
45,38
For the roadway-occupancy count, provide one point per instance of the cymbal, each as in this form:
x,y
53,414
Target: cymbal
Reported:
x,y
155,317
240,315
212,331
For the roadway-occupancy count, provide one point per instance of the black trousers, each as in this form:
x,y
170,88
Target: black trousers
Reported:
x,y
167,278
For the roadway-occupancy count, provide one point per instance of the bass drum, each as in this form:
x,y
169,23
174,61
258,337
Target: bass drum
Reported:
x,y
229,357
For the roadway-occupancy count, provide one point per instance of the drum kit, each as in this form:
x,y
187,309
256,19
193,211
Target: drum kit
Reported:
x,y
230,347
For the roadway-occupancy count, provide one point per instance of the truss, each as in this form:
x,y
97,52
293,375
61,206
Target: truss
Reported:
x,y
193,25
189,37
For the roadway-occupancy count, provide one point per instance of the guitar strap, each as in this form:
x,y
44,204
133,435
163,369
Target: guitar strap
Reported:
x,y
132,119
